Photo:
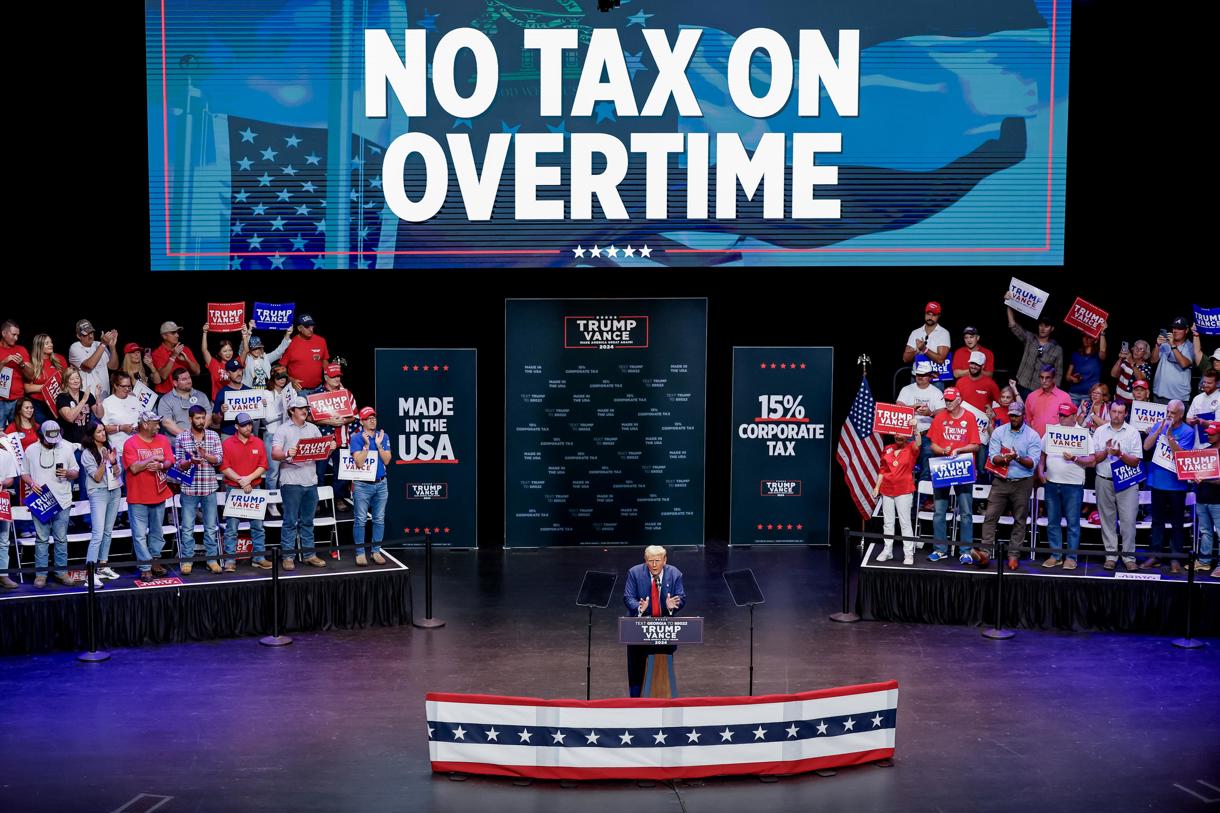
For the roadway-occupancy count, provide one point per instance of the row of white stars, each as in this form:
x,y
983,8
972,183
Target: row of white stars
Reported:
x,y
626,737
580,251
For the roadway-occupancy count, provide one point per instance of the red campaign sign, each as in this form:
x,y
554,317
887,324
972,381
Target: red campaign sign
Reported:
x,y
226,316
166,581
893,419
999,471
6,508
244,545
313,449
336,404
1201,464
1086,317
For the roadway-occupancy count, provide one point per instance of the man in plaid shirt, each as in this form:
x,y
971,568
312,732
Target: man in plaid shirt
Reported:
x,y
201,446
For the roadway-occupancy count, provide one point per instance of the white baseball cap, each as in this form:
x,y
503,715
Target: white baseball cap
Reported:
x,y
978,358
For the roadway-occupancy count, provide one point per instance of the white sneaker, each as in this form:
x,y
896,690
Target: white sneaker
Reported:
x,y
885,555
908,560
106,573
98,584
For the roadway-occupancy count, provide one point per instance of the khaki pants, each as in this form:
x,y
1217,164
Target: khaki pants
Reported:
x,y
1007,496
1123,506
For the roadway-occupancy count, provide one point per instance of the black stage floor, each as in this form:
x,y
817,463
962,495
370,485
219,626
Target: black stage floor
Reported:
x,y
1046,721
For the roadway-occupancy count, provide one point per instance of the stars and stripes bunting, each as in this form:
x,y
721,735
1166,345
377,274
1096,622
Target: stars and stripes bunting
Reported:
x,y
661,739
859,451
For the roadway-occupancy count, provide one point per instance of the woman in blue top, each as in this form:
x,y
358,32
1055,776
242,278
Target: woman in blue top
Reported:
x,y
1084,370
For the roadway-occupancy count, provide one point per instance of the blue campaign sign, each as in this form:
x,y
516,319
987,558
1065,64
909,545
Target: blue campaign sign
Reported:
x,y
952,471
43,506
426,404
1207,320
781,445
179,476
1126,476
268,316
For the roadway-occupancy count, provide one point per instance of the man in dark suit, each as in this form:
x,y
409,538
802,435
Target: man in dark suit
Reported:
x,y
655,589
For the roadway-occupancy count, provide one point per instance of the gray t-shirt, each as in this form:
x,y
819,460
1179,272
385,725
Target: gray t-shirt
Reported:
x,y
296,474
89,467
175,407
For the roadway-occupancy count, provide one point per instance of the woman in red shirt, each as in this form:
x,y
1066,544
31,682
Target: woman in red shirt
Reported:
x,y
897,489
26,427
216,364
45,385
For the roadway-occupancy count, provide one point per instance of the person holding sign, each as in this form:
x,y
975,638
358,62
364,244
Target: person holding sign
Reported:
x,y
1168,492
927,401
50,466
1014,449
1207,511
14,366
954,432
234,372
8,473
298,486
171,354
146,456
1117,444
1202,412
245,462
1084,369
370,497
258,361
46,378
339,427
218,365
1067,450
897,490
1040,350
103,487
198,449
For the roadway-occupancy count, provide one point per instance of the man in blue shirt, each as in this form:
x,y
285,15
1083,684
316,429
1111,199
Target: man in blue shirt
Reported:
x,y
368,496
1014,451
1168,492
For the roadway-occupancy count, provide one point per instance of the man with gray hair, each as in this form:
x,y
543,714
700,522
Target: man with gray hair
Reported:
x,y
1168,492
1117,443
653,588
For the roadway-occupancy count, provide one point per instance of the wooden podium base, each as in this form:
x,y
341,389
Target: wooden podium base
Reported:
x,y
659,680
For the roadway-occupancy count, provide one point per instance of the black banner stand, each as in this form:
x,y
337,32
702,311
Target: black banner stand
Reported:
x,y
743,587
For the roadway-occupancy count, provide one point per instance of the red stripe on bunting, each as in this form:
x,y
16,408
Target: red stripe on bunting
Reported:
x,y
645,703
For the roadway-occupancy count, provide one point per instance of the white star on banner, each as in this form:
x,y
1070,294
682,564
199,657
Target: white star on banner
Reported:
x,y
558,737
612,252
726,735
595,251
592,737
525,735
822,727
693,736
629,251
849,725
492,734
660,738
459,733
578,251
876,721
626,738
645,251
792,730
760,733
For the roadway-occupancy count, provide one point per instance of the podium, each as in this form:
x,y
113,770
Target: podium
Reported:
x,y
663,634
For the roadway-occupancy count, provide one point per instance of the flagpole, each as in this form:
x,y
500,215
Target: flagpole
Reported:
x,y
863,361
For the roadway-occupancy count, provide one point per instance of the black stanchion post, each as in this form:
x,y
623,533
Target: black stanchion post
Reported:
x,y
1189,642
275,638
998,633
93,655
428,622
751,692
846,616
589,660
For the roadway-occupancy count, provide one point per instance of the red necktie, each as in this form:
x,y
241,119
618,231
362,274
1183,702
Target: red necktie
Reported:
x,y
656,600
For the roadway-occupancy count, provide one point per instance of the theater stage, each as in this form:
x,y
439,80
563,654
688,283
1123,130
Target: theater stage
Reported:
x,y
1046,721
1088,598
204,605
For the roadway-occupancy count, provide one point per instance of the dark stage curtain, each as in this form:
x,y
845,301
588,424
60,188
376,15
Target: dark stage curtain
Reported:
x,y
1157,608
171,615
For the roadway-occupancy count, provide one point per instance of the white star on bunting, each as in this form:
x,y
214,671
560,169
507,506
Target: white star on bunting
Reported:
x,y
492,734
592,737
760,733
595,251
558,737
525,735
876,721
693,736
822,727
626,738
660,738
459,733
726,735
849,725
792,730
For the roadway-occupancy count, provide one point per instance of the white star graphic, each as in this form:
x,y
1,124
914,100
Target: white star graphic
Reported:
x,y
760,733
822,727
693,736
645,251
578,251
558,737
726,735
595,251
459,733
592,737
876,721
629,251
492,735
660,738
612,252
849,725
792,730
248,135
525,735
626,738
430,730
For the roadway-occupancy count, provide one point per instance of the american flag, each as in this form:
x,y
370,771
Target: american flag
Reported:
x,y
859,451
661,739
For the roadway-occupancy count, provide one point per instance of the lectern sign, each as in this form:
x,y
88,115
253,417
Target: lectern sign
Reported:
x,y
660,631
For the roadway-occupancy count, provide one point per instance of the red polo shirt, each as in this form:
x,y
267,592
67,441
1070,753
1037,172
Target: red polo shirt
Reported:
x,y
244,458
979,394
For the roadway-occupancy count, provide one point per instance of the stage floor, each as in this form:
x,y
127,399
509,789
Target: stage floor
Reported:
x,y
335,722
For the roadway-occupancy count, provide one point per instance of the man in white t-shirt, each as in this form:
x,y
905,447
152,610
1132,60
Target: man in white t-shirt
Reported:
x,y
121,412
1202,410
931,341
94,358
927,400
1067,450
1114,441
50,465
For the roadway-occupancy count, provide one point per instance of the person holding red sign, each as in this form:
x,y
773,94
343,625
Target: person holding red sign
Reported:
x,y
8,474
1014,449
1203,408
170,354
1174,359
218,373
298,486
1207,510
245,462
340,428
307,356
46,376
1168,492
897,490
146,456
953,432
14,367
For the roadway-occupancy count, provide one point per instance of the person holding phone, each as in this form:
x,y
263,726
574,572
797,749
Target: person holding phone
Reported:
x,y
50,466
1173,359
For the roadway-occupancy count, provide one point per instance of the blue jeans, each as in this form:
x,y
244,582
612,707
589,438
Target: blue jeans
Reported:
x,y
368,497
272,477
300,505
58,528
332,463
147,535
7,410
258,536
965,516
186,526
1063,502
6,528
925,473
103,508
1208,517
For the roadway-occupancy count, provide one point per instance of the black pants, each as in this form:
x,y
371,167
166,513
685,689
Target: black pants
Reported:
x,y
637,662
